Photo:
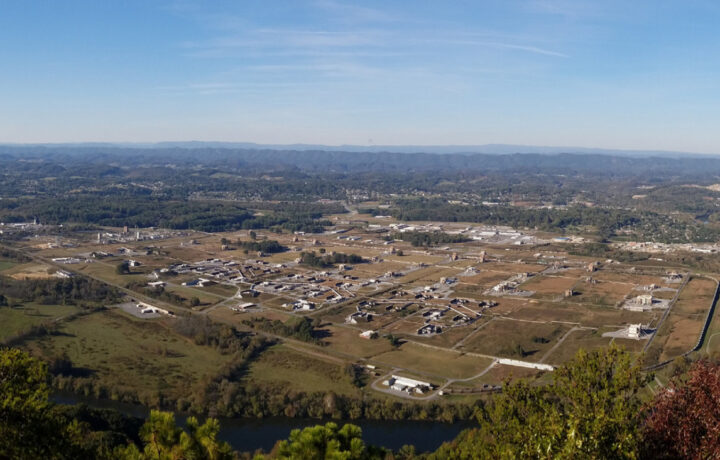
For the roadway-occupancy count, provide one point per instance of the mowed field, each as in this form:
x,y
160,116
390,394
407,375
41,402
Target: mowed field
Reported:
x,y
107,272
605,293
711,345
347,340
284,368
130,355
28,271
6,264
681,329
497,375
515,339
586,339
14,320
432,361
549,286
587,315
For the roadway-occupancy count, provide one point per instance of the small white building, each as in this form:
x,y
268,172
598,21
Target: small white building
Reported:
x,y
408,385
147,309
644,299
63,274
368,334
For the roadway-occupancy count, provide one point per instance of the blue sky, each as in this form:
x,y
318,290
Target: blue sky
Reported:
x,y
614,74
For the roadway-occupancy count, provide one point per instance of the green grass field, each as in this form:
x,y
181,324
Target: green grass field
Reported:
x,y
130,355
433,361
284,367
19,319
586,339
348,341
206,298
6,264
505,338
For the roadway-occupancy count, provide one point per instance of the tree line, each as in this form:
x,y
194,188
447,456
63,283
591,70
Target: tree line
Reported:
x,y
429,238
328,260
65,291
149,211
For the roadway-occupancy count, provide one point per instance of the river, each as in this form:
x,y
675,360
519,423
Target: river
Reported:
x,y
245,434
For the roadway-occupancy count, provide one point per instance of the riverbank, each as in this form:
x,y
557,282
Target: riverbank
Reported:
x,y
248,435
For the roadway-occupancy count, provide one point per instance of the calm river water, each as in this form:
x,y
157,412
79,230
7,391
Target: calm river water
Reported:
x,y
251,434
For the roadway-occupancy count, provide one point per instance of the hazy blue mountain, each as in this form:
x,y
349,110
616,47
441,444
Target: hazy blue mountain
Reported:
x,y
488,149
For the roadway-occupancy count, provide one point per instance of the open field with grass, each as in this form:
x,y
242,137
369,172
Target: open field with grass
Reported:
x,y
283,367
107,272
348,341
516,267
608,293
14,320
6,264
486,278
548,286
500,373
577,313
429,275
30,271
586,339
711,344
452,335
433,361
631,345
130,355
682,327
630,278
205,297
515,339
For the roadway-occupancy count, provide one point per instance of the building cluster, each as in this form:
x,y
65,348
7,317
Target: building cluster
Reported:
x,y
127,236
301,305
511,286
70,260
486,234
227,271
665,248
645,302
19,226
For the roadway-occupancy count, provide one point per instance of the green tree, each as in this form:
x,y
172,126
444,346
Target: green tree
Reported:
x,y
327,442
395,342
163,440
592,410
194,302
29,426
123,268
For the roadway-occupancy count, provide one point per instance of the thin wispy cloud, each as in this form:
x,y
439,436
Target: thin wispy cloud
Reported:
x,y
529,49
366,41
353,13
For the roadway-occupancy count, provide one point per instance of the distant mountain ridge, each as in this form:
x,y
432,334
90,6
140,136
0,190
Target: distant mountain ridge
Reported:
x,y
317,161
487,149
